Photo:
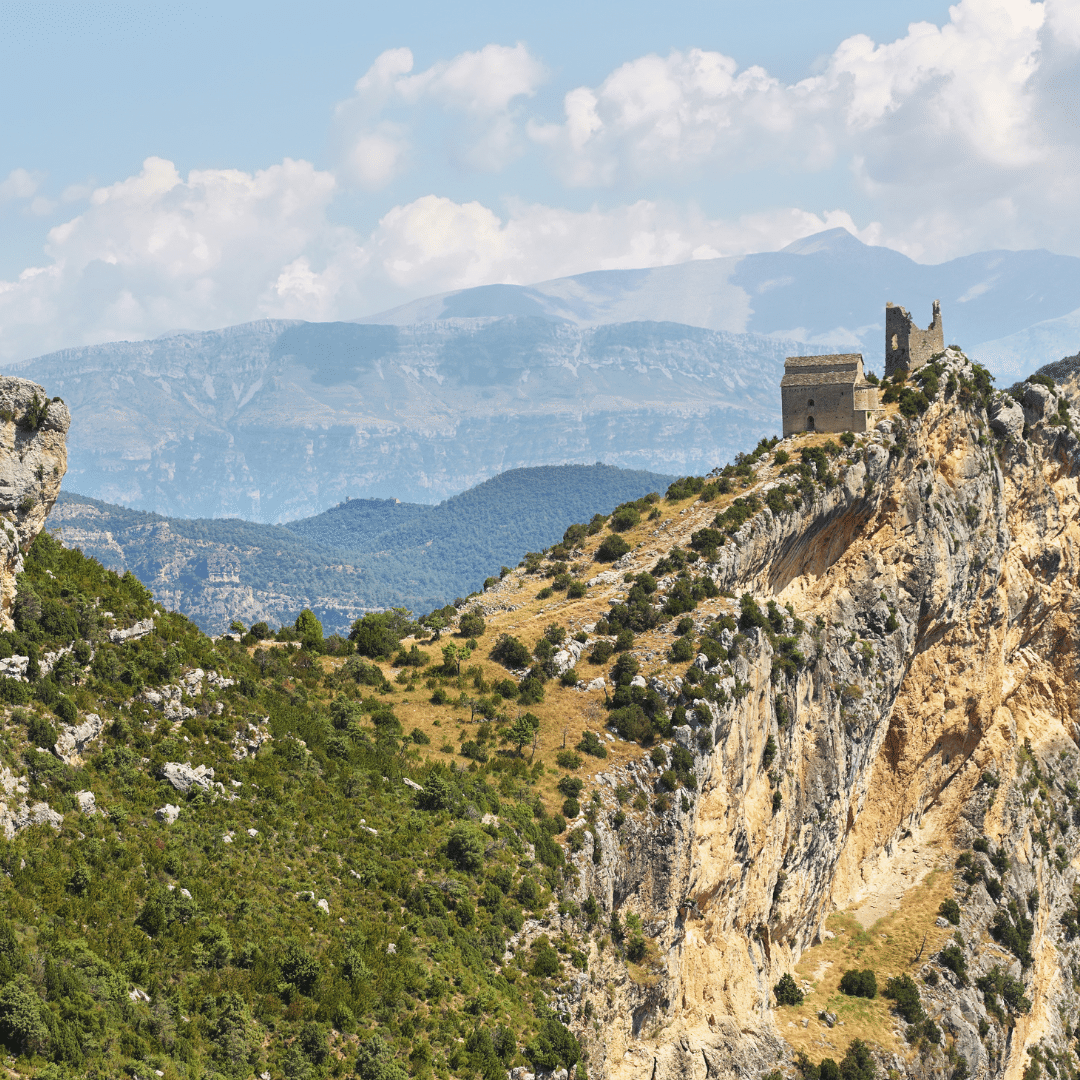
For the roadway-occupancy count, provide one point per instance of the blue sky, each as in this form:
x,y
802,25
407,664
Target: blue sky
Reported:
x,y
183,165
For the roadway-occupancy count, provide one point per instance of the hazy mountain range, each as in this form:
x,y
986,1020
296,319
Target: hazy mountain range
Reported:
x,y
672,369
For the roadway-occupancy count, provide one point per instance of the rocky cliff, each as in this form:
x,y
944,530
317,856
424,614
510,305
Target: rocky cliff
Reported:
x,y
911,691
33,460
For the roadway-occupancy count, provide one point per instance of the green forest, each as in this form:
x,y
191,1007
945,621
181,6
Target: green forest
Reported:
x,y
307,914
364,553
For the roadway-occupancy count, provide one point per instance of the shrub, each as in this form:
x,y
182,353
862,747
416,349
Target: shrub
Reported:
x,y
601,652
859,983
613,547
22,1029
39,731
902,990
787,993
545,959
472,624
576,589
952,957
66,710
570,786
571,808
466,845
635,949
626,517
590,743
624,639
298,967
950,909
857,1064
682,651
567,759
511,652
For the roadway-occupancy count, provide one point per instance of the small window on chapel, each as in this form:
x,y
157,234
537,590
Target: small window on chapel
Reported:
x,y
810,403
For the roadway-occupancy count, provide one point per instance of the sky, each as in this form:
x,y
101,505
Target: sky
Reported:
x,y
171,166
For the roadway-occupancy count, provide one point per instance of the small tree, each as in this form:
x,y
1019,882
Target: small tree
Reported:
x,y
309,628
472,625
787,993
522,731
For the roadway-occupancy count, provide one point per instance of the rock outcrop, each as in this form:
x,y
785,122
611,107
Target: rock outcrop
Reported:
x,y
33,460
931,582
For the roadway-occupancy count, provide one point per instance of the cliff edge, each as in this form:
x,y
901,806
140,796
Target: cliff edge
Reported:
x,y
33,460
880,718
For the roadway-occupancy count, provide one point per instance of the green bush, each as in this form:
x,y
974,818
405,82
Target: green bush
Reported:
x,y
591,743
902,990
465,846
950,909
857,1063
626,517
567,759
787,992
613,547
952,957
511,652
859,983
601,652
472,625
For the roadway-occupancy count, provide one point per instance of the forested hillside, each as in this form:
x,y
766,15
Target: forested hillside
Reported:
x,y
363,555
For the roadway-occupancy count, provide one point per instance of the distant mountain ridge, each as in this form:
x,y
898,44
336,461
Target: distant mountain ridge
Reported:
x,y
1013,310
275,421
362,555
671,369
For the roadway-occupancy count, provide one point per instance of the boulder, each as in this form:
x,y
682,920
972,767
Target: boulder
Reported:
x,y
638,680
132,633
74,740
1007,420
323,905
14,821
14,667
87,802
596,684
411,784
1037,402
183,777
167,814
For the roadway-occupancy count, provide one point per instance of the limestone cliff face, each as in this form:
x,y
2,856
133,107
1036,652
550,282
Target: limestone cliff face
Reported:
x,y
33,460
936,577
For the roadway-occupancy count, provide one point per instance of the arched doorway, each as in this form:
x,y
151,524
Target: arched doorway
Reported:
x,y
809,423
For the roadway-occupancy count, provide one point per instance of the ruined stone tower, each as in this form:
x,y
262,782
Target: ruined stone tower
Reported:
x,y
908,347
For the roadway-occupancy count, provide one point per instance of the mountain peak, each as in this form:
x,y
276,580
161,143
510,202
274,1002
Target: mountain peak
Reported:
x,y
831,240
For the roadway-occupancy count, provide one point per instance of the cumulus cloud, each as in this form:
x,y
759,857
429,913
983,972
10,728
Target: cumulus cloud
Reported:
x,y
480,89
967,83
157,251
19,184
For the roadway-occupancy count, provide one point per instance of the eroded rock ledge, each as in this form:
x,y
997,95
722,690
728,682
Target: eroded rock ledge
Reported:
x,y
33,460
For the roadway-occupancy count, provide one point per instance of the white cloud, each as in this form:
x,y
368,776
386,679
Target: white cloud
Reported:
x,y
481,88
20,184
962,87
156,251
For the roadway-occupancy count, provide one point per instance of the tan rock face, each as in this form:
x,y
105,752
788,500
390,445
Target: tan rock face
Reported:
x,y
937,580
33,460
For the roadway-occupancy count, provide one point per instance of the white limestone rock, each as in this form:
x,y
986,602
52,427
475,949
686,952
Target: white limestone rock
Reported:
x,y
132,633
183,777
167,814
74,740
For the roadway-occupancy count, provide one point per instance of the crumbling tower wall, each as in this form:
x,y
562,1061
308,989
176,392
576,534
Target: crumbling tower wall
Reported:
x,y
907,346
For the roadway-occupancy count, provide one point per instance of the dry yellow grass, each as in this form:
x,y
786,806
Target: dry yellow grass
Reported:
x,y
889,947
